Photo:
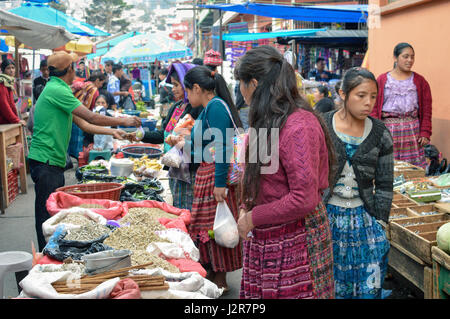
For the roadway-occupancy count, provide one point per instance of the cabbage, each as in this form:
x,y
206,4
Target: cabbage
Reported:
x,y
443,238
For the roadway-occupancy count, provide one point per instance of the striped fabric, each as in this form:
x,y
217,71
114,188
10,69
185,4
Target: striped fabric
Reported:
x,y
182,192
290,261
202,219
405,132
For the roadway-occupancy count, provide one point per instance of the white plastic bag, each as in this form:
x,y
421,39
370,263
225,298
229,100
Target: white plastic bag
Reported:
x,y
172,158
225,227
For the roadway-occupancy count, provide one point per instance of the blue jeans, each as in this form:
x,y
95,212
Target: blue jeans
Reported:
x,y
47,178
243,114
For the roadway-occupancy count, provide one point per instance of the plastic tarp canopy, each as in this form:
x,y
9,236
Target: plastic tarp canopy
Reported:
x,y
45,14
338,13
106,45
267,35
34,34
330,38
146,48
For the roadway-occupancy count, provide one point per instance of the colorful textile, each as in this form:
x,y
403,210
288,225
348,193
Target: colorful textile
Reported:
x,y
400,96
181,69
405,130
182,192
202,219
176,115
212,58
424,99
292,260
360,250
86,92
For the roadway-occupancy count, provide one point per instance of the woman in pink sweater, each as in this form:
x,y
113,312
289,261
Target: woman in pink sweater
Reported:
x,y
289,251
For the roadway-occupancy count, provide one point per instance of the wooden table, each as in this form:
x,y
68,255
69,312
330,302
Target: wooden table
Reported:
x,y
11,134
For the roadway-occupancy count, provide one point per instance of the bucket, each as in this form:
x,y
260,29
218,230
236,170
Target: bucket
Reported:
x,y
107,260
150,124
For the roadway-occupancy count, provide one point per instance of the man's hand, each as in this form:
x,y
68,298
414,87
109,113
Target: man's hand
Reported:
x,y
24,123
324,76
132,121
119,134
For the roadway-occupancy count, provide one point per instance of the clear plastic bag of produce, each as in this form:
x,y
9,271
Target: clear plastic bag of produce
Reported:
x,y
181,173
173,158
225,227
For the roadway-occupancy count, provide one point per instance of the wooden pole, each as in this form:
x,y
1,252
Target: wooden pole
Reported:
x,y
221,41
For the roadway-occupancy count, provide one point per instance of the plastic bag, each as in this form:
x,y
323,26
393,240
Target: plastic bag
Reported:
x,y
225,227
173,158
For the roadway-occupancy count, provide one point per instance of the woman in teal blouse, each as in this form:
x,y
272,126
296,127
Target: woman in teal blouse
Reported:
x,y
208,90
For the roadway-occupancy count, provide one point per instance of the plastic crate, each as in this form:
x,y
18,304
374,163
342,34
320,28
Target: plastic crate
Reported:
x,y
109,191
13,184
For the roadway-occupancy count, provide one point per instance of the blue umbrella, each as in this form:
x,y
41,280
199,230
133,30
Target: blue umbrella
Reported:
x,y
148,47
106,45
45,14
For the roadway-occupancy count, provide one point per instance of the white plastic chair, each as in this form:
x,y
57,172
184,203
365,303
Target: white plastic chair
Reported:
x,y
13,261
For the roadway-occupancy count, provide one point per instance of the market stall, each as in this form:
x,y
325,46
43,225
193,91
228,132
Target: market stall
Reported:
x,y
115,235
418,220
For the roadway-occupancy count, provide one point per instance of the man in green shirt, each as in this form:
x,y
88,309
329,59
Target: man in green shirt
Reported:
x,y
54,112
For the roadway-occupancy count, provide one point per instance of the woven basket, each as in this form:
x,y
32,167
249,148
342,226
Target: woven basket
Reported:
x,y
109,191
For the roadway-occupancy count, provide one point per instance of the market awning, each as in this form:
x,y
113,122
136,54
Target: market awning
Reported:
x,y
34,34
330,38
338,13
45,14
226,18
267,35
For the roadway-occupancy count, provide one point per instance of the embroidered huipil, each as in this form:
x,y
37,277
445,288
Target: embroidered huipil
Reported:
x,y
346,191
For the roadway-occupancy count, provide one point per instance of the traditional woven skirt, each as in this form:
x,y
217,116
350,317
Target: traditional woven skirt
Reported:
x,y
293,260
360,250
182,192
203,212
405,132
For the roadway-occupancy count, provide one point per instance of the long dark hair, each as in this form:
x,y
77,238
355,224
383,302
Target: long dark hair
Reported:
x,y
214,82
274,99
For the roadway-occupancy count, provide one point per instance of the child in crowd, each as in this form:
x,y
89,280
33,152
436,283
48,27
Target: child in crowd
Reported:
x,y
362,190
102,142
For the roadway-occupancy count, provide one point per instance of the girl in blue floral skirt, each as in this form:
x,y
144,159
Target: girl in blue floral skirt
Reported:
x,y
361,194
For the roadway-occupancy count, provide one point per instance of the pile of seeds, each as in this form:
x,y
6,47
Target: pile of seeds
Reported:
x,y
141,257
133,237
146,216
74,219
87,232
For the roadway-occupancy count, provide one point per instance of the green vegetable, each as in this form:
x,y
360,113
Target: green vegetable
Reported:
x,y
211,233
443,238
